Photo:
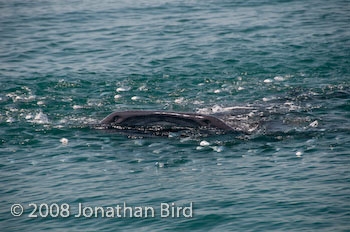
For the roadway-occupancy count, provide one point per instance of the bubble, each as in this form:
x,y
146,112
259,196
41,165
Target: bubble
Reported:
x,y
64,141
204,143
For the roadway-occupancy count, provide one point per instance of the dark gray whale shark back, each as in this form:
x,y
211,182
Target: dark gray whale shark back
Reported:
x,y
162,121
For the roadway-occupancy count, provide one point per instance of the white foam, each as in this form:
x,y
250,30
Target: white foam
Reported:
x,y
196,102
179,100
40,118
10,120
142,88
13,109
117,96
278,78
204,143
139,142
159,164
218,148
30,97
120,89
77,107
186,139
291,106
172,135
29,116
267,80
314,124
17,98
217,109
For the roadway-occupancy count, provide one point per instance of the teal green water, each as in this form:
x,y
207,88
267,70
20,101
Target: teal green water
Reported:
x,y
280,69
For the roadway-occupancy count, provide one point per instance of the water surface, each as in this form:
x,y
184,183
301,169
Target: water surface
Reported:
x,y
65,65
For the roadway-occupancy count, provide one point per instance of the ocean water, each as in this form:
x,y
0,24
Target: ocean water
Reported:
x,y
278,69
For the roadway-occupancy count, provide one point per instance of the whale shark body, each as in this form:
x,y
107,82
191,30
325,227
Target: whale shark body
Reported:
x,y
238,121
162,122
